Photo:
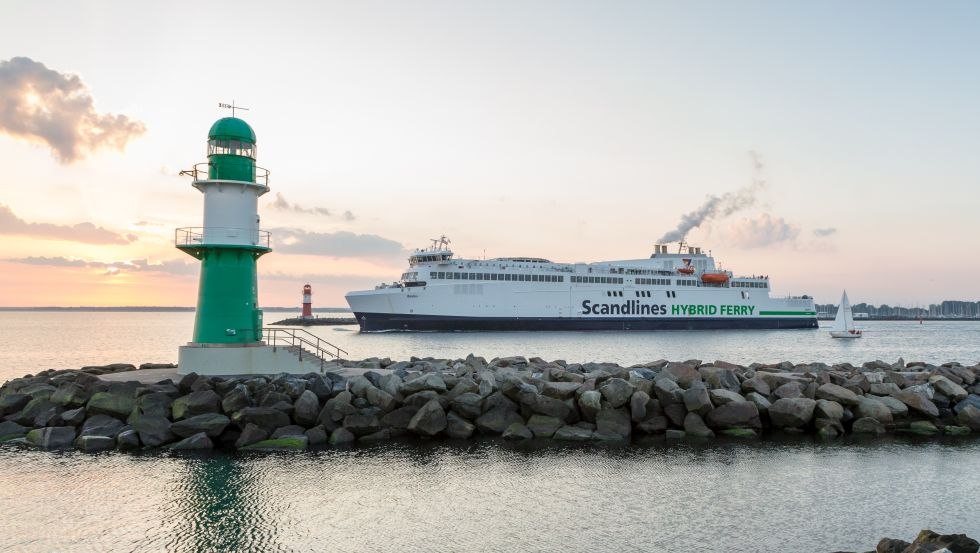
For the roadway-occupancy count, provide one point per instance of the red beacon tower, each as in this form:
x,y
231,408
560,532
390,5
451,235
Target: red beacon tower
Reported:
x,y
307,302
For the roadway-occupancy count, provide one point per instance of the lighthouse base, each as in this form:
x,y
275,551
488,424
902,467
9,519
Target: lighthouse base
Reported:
x,y
254,358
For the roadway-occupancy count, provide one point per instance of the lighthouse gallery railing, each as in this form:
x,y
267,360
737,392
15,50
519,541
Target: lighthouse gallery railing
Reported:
x,y
297,337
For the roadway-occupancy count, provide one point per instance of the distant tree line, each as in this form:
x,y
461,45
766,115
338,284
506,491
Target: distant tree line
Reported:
x,y
949,309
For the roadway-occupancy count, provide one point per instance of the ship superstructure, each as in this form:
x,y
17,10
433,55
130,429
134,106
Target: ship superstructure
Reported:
x,y
683,290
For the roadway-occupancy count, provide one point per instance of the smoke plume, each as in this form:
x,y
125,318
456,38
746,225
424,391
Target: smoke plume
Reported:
x,y
763,230
822,232
718,207
57,109
282,204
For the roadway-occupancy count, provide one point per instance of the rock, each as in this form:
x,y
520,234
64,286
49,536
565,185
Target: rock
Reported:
x,y
613,424
517,431
153,430
696,399
738,433
952,430
196,441
897,408
888,545
667,391
266,418
589,404
70,395
638,405
884,388
101,425
341,436
761,403
156,404
681,373
317,435
544,405
10,430
827,431
362,425
674,434
971,399
720,396
306,409
969,416
792,412
382,399
756,384
128,440
572,434
73,417
788,391
52,437
955,543
868,425
285,443
918,402
459,428
560,390
468,405
616,391
92,444
496,420
868,407
382,435
12,403
31,411
924,428
948,388
543,426
210,424
289,430
827,409
418,399
718,378
738,414
235,400
841,395
694,426
653,425
195,403
429,420
431,381
118,405
187,381
399,418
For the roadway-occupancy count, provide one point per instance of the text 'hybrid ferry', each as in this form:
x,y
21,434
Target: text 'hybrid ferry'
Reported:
x,y
667,291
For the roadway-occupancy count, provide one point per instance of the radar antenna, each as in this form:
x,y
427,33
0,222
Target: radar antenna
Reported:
x,y
232,107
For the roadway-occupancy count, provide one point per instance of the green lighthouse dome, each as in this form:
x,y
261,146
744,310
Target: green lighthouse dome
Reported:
x,y
231,128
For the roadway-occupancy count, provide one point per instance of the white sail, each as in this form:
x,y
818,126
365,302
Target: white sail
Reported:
x,y
844,321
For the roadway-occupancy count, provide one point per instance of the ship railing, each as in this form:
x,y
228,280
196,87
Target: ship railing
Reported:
x,y
302,339
201,171
200,236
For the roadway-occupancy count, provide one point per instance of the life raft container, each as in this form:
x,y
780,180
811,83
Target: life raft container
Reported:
x,y
714,278
688,270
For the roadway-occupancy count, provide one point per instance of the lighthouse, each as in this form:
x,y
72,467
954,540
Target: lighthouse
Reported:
x,y
228,337
307,302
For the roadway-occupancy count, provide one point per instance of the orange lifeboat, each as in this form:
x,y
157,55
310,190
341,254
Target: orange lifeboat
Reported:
x,y
686,270
714,278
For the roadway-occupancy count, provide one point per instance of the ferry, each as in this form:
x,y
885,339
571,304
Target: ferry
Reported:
x,y
682,290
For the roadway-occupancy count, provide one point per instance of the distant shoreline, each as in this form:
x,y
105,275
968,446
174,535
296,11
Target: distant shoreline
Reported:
x,y
173,309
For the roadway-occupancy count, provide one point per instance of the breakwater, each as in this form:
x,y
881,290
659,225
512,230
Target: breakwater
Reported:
x,y
513,397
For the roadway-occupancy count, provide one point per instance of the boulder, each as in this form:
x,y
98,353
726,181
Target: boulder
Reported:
x,y
738,414
718,378
306,409
924,428
73,417
496,420
544,405
52,437
157,404
429,420
572,434
722,396
868,407
931,542
667,391
465,385
128,440
250,435
289,430
889,545
101,425
517,431
613,424
897,408
286,443
210,424
840,394
92,444
827,409
236,399
638,405
969,416
756,384
468,405
868,425
696,399
10,430
792,412
13,402
362,425
430,381
543,426
654,425
70,395
681,373
884,388
674,434
616,391
195,403
384,400
317,435
759,400
560,390
342,436
459,428
948,388
197,441
399,418
589,404
788,391
418,399
972,399
918,402
153,430
114,404
266,418
694,426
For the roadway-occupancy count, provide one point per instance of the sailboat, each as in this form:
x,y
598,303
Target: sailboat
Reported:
x,y
843,326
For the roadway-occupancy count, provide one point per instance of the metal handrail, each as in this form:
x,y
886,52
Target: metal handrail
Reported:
x,y
200,171
194,236
299,337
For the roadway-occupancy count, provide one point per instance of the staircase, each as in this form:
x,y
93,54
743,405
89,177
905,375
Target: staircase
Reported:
x,y
303,344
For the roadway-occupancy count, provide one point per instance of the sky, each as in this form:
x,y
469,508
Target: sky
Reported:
x,y
828,145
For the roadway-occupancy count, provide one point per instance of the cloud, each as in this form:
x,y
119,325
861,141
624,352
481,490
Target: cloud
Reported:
x,y
336,244
81,232
717,207
173,267
282,204
763,230
821,232
57,109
